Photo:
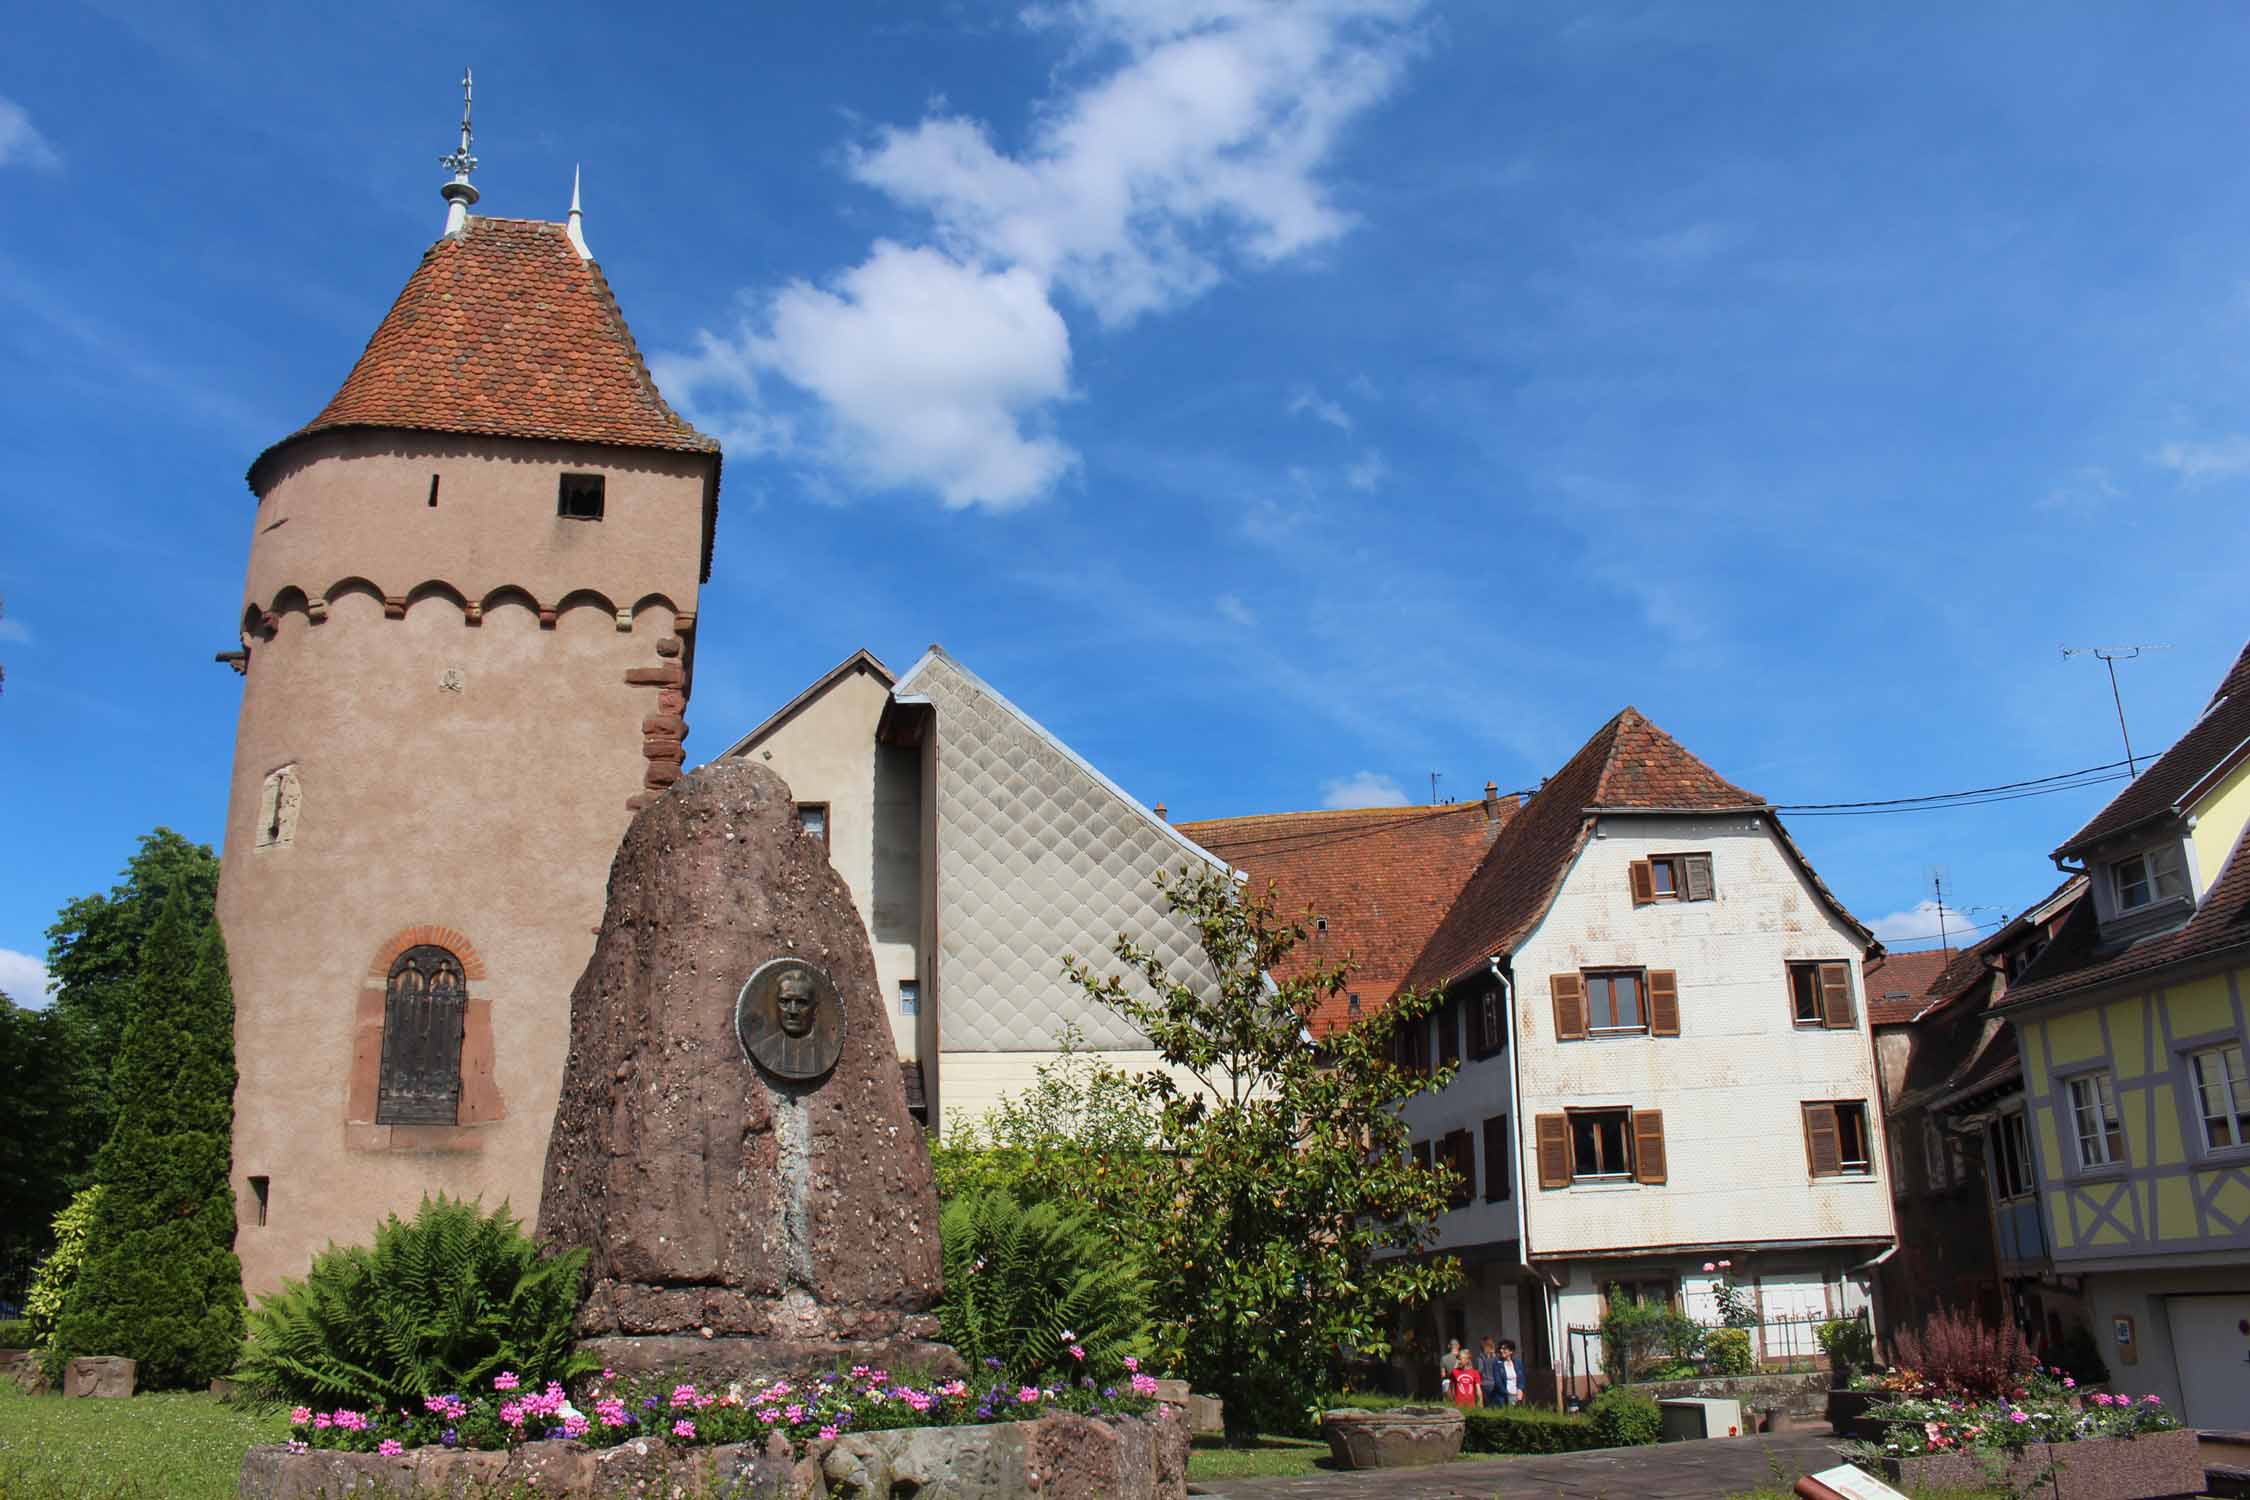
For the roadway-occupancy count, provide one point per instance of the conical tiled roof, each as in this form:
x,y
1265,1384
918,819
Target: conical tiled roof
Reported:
x,y
505,332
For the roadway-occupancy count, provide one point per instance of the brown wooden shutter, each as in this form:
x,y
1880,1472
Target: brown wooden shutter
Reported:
x,y
1698,881
1554,1150
1836,996
1648,1145
1644,882
1663,1003
1823,1148
1496,1154
1449,1034
1460,1153
1570,1007
1422,1156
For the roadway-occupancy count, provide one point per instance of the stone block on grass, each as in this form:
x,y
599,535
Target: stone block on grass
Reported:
x,y
102,1375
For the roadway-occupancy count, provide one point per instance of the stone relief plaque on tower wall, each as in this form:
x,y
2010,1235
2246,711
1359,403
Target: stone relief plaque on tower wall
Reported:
x,y
789,1020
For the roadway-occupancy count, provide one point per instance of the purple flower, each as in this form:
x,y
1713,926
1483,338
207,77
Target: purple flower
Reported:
x,y
991,1362
452,1437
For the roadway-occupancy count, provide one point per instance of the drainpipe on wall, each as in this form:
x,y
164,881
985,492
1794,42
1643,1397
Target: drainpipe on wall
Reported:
x,y
1547,1284
1874,1284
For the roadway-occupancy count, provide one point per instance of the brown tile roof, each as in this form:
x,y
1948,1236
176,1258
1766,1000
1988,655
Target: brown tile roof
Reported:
x,y
1629,765
2078,959
1383,877
506,332
2221,730
1898,985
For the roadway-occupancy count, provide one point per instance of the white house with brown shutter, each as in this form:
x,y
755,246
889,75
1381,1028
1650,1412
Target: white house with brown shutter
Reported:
x,y
1664,1064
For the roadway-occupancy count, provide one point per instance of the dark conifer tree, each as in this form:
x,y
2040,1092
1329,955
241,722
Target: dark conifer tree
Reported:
x,y
161,1283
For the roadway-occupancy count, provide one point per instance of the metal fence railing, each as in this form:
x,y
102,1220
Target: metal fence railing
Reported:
x,y
1779,1343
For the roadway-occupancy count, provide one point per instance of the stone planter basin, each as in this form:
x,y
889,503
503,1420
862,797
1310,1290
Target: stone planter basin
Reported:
x,y
1397,1437
1059,1457
2154,1466
1848,1413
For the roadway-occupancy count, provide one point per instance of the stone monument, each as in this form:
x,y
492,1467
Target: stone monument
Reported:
x,y
733,1144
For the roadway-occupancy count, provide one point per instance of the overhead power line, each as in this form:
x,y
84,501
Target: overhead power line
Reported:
x,y
1975,791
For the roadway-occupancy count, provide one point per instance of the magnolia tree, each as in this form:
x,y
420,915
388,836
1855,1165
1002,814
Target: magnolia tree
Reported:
x,y
1280,1217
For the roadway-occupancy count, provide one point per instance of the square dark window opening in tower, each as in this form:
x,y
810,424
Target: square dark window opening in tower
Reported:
x,y
580,497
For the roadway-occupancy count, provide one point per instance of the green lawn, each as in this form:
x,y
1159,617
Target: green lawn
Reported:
x,y
177,1446
1271,1457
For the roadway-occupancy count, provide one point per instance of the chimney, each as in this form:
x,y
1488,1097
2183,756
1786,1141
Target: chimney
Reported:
x,y
1161,813
1491,800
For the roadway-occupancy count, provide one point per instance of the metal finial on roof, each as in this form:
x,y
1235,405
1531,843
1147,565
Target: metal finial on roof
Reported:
x,y
576,228
460,193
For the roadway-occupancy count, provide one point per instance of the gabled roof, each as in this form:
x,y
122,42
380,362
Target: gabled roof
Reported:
x,y
861,660
908,690
1380,877
1898,985
2078,959
505,331
2220,734
1629,766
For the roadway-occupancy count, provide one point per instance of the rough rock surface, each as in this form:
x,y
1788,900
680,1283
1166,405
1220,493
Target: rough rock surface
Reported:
x,y
720,1202
1062,1456
100,1375
2154,1464
22,1366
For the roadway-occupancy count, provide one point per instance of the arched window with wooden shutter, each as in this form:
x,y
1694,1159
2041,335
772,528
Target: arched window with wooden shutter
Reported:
x,y
1570,1007
425,1006
1553,1133
1663,1002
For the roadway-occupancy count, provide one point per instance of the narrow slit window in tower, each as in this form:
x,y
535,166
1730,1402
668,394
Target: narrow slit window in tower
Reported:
x,y
261,1189
433,492
580,498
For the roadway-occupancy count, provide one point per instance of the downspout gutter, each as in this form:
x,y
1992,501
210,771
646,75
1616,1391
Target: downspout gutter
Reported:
x,y
1547,1284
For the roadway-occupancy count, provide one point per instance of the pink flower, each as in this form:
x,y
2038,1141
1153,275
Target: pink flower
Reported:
x,y
299,1415
505,1381
794,1413
575,1427
609,1374
2017,1416
390,1448
1027,1395
1134,1364
1144,1385
683,1428
2153,1399
683,1395
1710,1265
828,1434
1726,1265
1078,1351
859,1372
2069,1384
768,1415
323,1422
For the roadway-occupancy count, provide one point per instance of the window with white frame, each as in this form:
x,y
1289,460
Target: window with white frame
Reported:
x,y
2093,1114
2222,1095
2012,1174
2149,876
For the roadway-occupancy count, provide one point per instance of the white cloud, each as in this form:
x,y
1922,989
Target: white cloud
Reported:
x,y
2225,458
1364,789
23,978
21,144
1920,922
1368,472
1232,608
1193,145
1312,403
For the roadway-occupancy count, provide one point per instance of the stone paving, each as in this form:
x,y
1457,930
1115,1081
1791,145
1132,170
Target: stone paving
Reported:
x,y
1667,1471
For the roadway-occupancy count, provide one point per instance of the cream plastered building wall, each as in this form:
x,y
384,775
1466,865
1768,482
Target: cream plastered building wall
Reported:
x,y
1730,1086
828,753
470,777
2221,816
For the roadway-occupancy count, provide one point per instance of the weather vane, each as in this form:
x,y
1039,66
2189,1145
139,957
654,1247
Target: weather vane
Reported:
x,y
461,161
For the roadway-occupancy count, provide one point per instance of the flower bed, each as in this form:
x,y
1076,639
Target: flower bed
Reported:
x,y
2042,1433
617,1411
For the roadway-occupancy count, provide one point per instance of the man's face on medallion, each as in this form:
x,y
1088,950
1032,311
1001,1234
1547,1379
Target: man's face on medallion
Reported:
x,y
793,1001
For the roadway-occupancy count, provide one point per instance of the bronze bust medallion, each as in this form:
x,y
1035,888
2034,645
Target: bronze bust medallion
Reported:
x,y
789,1020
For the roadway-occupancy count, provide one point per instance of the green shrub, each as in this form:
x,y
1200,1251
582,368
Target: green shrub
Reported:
x,y
1642,1340
15,1333
1625,1417
1849,1344
435,1306
1528,1429
161,1284
58,1273
1726,1351
1022,1285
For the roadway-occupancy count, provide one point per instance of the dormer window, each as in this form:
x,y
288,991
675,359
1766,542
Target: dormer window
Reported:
x,y
2150,876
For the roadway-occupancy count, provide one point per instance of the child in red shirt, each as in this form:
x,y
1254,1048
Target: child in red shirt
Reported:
x,y
1468,1385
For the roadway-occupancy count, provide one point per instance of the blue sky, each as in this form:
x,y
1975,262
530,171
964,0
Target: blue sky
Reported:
x,y
1280,403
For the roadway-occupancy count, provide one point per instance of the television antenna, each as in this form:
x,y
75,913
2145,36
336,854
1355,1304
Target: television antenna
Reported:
x,y
2110,656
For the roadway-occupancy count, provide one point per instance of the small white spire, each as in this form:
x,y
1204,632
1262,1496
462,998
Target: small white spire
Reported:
x,y
577,225
459,193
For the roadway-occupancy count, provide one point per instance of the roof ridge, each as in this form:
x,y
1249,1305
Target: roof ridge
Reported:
x,y
1411,808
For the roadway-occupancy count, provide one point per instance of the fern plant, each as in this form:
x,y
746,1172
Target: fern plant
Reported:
x,y
436,1306
1025,1284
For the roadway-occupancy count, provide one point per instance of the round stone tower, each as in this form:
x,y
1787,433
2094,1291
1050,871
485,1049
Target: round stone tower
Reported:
x,y
468,640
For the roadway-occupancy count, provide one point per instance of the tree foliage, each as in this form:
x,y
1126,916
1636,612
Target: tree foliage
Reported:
x,y
434,1307
1025,1284
1280,1216
58,1272
161,1284
39,1118
1080,1122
